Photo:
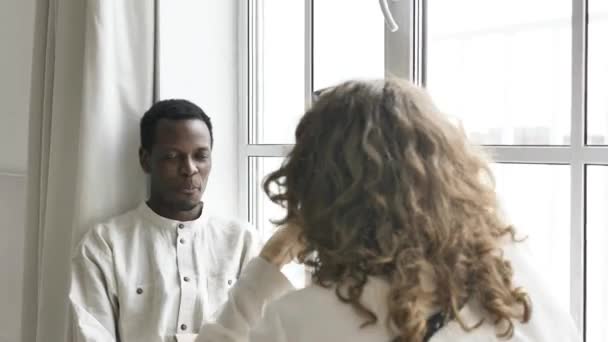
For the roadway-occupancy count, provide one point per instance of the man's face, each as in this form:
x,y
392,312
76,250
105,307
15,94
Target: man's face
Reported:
x,y
178,162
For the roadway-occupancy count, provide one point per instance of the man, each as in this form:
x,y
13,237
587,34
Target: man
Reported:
x,y
160,270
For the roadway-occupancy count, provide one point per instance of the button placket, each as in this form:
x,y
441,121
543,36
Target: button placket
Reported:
x,y
186,276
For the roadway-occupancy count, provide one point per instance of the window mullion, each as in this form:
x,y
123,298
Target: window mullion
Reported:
x,y
577,242
398,46
419,29
308,50
246,55
578,143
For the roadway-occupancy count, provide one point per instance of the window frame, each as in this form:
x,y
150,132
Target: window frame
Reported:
x,y
405,57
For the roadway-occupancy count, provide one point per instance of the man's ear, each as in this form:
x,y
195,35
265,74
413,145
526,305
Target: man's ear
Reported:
x,y
144,159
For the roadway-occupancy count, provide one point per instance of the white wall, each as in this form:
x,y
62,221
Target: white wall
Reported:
x,y
16,36
17,39
12,200
198,62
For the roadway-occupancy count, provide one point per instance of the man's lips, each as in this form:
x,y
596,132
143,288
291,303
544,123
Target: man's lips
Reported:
x,y
189,189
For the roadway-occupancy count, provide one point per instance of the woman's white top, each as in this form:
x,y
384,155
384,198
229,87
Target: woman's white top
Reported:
x,y
264,307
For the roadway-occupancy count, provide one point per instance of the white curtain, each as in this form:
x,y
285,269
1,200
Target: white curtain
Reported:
x,y
93,77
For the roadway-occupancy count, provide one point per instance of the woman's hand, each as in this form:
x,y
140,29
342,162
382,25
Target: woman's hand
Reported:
x,y
283,246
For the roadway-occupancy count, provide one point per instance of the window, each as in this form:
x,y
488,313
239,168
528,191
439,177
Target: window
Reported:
x,y
526,79
293,48
277,70
298,47
346,43
516,64
515,74
597,254
597,64
541,214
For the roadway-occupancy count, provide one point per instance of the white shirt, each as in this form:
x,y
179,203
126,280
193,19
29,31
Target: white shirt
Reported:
x,y
253,312
143,277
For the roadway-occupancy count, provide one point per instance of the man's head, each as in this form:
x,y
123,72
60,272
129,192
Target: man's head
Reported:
x,y
176,143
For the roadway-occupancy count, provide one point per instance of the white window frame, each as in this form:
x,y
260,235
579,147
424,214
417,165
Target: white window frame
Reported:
x,y
405,56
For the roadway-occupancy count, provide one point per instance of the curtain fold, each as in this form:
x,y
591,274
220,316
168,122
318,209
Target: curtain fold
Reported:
x,y
92,79
118,88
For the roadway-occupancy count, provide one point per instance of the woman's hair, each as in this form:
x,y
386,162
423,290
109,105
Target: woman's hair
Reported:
x,y
384,185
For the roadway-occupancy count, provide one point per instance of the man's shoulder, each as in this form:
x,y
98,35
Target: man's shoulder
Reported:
x,y
99,235
117,223
232,227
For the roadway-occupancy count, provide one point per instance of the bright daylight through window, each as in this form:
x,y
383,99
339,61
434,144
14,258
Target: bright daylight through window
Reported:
x,y
526,78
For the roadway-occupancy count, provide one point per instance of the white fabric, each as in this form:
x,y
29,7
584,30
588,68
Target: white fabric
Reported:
x,y
143,277
316,314
259,284
86,99
186,338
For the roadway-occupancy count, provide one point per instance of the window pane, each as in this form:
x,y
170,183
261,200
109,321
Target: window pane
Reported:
x,y
597,253
280,71
597,75
536,199
262,210
348,41
503,68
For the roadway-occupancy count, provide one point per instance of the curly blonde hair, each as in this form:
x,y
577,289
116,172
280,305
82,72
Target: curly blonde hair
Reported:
x,y
384,185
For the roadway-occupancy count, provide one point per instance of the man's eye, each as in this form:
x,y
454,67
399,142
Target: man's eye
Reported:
x,y
202,157
170,155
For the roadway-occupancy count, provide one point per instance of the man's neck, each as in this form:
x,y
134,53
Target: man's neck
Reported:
x,y
174,214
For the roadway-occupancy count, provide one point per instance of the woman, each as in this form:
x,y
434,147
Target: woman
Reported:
x,y
397,216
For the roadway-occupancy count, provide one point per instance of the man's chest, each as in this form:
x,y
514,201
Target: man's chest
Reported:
x,y
172,282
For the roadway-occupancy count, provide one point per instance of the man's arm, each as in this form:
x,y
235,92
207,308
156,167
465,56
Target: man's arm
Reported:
x,y
93,297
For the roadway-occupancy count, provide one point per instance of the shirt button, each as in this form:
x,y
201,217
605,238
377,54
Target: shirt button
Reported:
x,y
180,226
184,327
139,290
182,241
230,282
186,279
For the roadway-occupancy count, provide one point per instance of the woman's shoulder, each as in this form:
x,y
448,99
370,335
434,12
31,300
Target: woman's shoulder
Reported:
x,y
318,303
311,296
374,291
315,313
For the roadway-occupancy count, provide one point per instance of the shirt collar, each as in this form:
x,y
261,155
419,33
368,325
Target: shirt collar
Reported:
x,y
163,222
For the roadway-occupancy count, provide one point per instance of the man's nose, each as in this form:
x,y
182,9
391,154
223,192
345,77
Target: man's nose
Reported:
x,y
188,166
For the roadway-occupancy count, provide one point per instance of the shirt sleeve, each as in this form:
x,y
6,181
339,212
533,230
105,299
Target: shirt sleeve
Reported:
x,y
251,247
93,297
240,319
270,328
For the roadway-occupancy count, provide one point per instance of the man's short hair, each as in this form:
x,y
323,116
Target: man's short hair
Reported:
x,y
174,109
